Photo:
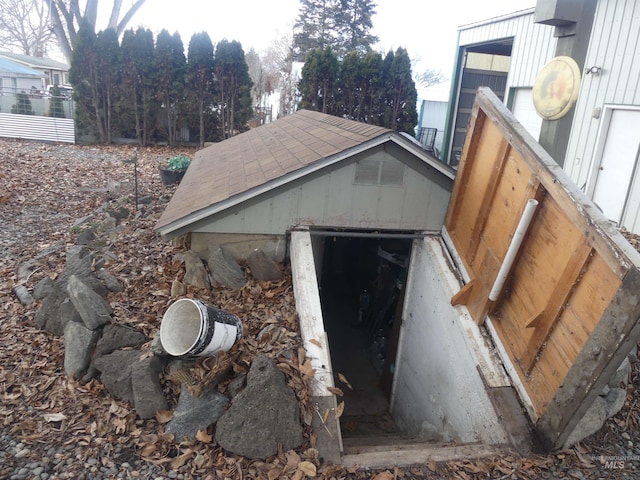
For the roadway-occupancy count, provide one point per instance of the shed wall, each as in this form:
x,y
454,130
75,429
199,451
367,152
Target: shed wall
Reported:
x,y
331,198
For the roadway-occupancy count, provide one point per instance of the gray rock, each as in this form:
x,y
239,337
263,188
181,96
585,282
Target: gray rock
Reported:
x,y
262,267
178,289
23,295
622,374
43,288
156,346
48,315
78,344
111,282
196,413
93,309
195,273
68,313
115,337
85,237
224,270
602,408
119,214
263,416
236,385
115,372
147,391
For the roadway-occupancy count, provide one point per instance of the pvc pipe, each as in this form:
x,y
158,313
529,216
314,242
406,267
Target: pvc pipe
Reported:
x,y
516,241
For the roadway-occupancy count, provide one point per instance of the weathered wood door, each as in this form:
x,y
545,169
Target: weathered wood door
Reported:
x,y
568,312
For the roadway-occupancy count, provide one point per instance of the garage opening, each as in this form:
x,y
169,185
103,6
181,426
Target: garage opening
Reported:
x,y
423,378
362,285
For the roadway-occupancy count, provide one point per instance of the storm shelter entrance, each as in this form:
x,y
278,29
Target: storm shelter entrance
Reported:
x,y
362,280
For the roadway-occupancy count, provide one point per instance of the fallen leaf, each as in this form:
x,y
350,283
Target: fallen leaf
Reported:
x,y
386,475
315,342
203,436
339,410
164,416
336,391
343,379
54,417
308,468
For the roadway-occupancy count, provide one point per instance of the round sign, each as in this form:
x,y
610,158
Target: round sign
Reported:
x,y
556,87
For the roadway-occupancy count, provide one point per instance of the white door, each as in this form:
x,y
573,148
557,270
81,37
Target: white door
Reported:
x,y
617,165
524,110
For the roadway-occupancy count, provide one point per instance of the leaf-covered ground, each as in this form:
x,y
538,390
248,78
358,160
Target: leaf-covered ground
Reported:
x,y
44,189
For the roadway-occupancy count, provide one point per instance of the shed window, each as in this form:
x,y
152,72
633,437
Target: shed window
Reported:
x,y
386,171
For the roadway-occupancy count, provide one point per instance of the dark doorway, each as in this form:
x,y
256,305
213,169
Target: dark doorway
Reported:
x,y
363,279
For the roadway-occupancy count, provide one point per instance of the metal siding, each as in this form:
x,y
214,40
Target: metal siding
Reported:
x,y
615,46
32,127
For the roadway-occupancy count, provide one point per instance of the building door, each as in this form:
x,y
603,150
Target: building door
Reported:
x,y
614,174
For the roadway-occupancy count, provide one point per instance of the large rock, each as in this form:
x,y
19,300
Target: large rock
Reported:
x,y
195,273
196,413
147,391
115,372
94,310
48,315
224,270
262,267
115,337
263,416
43,288
78,344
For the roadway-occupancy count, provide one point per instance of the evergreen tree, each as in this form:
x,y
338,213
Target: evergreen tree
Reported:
x,y
354,26
350,86
200,65
137,106
318,84
316,26
170,63
23,105
56,107
233,87
83,75
372,88
109,68
344,25
401,94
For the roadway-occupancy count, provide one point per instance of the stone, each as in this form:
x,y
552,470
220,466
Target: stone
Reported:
x,y
156,346
195,273
78,344
263,416
622,374
85,237
224,270
115,372
178,289
23,295
119,214
94,310
148,397
115,337
68,313
602,408
262,267
48,315
43,288
196,413
111,282
236,385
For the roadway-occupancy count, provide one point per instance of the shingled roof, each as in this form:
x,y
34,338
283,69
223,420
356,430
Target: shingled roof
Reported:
x,y
248,164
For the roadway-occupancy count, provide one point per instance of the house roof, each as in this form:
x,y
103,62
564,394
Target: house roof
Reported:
x,y
241,167
35,62
13,68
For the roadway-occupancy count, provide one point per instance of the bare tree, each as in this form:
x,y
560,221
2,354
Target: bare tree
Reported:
x,y
67,15
24,26
430,77
280,57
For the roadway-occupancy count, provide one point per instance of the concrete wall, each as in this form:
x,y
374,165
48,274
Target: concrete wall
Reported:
x,y
438,392
240,246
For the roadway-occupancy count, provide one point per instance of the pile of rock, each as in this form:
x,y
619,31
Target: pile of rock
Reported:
x,y
258,414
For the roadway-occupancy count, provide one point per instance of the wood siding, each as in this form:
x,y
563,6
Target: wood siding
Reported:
x,y
567,277
330,198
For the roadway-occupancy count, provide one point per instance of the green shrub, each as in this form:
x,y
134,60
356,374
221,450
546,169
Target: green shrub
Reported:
x,y
179,162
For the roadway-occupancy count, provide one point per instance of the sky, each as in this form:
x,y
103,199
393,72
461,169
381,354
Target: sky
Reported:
x,y
427,29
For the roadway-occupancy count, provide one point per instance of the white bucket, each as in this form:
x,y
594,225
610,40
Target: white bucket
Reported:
x,y
190,327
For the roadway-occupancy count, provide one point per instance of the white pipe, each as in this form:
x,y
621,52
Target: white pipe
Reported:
x,y
516,241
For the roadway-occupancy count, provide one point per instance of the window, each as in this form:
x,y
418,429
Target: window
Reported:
x,y
374,171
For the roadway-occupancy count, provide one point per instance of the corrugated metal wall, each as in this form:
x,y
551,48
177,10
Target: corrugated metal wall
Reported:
x,y
33,127
615,46
533,44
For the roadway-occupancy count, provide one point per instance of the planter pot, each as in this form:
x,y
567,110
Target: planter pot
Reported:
x,y
170,177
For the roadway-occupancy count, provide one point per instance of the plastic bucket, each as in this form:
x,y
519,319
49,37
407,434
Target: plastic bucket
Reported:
x,y
192,328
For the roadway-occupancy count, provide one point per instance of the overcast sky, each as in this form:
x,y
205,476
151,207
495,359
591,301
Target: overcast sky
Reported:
x,y
427,29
